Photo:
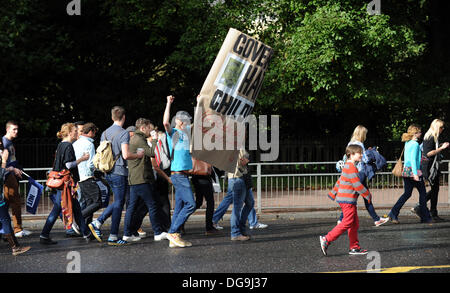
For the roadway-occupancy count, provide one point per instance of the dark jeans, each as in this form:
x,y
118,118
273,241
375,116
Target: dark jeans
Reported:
x,y
162,188
91,199
204,189
5,220
409,185
56,211
432,195
162,204
119,186
147,193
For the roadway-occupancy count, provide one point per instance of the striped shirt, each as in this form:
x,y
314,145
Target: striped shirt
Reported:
x,y
349,187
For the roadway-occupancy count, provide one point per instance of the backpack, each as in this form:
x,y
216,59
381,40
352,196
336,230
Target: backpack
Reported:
x,y
104,159
163,157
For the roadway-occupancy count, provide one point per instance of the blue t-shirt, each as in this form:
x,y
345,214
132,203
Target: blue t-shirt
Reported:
x,y
119,136
182,160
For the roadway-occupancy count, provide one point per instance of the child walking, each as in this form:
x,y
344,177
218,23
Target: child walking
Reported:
x,y
346,192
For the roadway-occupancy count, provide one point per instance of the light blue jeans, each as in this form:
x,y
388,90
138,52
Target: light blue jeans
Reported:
x,y
184,201
225,204
242,205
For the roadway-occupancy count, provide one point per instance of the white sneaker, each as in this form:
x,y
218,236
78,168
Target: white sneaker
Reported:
x,y
97,224
381,221
160,237
22,233
112,237
75,228
142,233
259,226
131,238
215,225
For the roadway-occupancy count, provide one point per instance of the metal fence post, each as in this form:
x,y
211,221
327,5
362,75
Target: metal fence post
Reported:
x,y
258,187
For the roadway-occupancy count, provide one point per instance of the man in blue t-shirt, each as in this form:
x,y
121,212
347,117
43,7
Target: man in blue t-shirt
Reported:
x,y
118,177
181,162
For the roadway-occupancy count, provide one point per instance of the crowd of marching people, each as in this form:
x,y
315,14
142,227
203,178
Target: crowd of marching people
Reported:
x,y
137,166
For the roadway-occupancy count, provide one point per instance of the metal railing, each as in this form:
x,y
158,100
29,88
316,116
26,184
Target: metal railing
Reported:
x,y
293,189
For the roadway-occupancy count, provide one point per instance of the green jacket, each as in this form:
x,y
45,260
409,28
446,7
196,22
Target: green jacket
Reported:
x,y
140,171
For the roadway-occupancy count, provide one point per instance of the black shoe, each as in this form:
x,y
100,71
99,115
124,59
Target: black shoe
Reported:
x,y
437,219
416,211
357,251
212,231
46,241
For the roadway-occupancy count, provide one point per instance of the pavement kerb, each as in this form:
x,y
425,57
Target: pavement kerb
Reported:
x,y
31,222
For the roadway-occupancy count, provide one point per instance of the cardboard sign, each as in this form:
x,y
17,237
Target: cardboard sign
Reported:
x,y
227,98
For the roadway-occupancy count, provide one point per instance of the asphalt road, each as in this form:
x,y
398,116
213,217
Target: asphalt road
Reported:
x,y
288,245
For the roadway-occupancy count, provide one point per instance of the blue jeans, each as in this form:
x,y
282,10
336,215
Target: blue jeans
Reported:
x,y
5,220
409,184
225,204
147,193
119,186
55,214
242,205
184,201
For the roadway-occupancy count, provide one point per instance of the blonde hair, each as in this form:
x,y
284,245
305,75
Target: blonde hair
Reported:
x,y
434,129
359,134
412,130
66,128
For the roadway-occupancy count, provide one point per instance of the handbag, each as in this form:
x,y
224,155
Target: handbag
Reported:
x,y
398,168
200,167
56,179
433,171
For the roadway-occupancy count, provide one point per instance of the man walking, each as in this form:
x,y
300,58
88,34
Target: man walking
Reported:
x,y
181,162
142,181
117,178
90,200
11,187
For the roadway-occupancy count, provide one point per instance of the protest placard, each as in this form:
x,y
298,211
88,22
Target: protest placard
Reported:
x,y
227,98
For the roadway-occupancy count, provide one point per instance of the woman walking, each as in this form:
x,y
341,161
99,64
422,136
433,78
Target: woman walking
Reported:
x,y
358,138
412,176
431,158
65,160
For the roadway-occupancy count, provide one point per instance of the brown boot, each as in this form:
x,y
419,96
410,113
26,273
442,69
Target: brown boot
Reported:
x,y
15,246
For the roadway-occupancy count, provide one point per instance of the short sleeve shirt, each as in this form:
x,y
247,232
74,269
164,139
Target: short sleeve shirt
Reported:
x,y
182,160
12,161
118,136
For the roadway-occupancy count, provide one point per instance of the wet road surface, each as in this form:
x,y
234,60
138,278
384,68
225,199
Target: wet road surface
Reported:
x,y
286,246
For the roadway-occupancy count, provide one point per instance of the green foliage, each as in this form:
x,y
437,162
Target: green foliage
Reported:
x,y
331,58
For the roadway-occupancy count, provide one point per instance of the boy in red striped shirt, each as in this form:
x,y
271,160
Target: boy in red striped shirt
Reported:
x,y
346,192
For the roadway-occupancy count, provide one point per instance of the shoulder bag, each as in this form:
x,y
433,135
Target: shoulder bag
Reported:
x,y
398,168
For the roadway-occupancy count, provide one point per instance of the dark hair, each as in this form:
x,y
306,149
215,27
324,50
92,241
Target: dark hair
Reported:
x,y
353,149
79,123
89,127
